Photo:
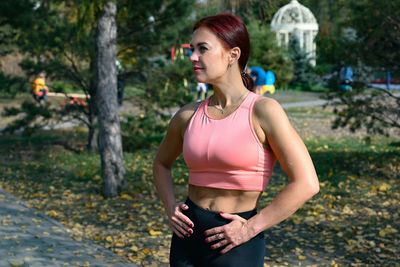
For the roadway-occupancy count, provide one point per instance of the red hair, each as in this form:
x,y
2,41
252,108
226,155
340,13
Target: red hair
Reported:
x,y
233,33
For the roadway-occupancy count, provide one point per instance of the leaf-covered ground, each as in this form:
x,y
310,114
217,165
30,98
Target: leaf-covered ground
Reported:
x,y
353,221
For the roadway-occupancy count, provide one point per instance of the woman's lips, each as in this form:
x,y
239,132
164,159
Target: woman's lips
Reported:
x,y
197,69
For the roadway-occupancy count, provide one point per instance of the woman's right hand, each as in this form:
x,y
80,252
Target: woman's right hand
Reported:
x,y
180,223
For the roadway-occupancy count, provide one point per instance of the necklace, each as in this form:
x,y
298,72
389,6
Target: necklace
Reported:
x,y
223,109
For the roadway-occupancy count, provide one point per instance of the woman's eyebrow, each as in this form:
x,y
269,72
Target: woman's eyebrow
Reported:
x,y
198,44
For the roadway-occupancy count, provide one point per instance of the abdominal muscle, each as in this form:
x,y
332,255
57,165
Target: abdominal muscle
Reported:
x,y
223,200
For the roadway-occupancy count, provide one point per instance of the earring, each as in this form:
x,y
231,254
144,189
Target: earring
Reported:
x,y
230,65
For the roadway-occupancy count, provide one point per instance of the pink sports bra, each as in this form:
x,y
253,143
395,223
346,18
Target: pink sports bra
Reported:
x,y
226,153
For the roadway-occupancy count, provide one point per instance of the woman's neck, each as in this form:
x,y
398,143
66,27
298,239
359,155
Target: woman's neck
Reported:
x,y
228,91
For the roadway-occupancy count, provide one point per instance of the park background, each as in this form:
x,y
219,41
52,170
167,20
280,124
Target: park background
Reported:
x,y
51,159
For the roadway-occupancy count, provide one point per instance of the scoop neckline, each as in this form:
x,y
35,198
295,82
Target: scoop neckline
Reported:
x,y
208,115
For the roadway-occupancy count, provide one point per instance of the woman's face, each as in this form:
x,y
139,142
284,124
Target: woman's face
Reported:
x,y
209,57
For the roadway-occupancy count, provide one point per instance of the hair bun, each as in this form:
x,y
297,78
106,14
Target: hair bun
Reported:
x,y
247,81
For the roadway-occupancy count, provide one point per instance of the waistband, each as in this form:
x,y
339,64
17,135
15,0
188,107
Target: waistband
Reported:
x,y
197,209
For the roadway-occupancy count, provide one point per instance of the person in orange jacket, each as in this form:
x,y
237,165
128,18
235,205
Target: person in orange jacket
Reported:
x,y
39,88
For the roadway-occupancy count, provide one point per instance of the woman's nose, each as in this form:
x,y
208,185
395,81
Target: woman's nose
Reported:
x,y
194,57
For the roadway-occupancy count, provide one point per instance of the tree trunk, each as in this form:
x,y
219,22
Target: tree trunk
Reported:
x,y
110,144
93,137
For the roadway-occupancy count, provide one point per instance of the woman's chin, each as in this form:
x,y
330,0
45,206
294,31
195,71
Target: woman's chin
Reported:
x,y
200,79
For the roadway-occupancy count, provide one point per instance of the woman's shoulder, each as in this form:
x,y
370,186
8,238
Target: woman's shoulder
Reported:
x,y
187,111
184,114
267,106
270,114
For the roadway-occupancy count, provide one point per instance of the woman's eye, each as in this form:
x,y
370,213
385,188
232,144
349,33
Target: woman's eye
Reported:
x,y
203,48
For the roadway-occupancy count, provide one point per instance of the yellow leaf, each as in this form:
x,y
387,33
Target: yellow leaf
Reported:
x,y
120,244
103,216
15,264
126,196
347,210
301,257
52,213
134,248
384,187
109,239
382,233
352,242
152,232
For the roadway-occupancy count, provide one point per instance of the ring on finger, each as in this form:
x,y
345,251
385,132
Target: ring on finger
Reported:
x,y
219,237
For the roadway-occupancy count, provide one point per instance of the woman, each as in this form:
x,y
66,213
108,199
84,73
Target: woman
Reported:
x,y
230,143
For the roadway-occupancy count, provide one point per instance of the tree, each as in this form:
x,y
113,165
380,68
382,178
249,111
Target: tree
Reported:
x,y
112,166
59,39
266,53
303,74
373,49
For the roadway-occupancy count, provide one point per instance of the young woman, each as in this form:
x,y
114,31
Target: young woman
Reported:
x,y
230,143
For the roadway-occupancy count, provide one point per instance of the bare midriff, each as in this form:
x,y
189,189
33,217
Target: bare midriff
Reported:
x,y
223,200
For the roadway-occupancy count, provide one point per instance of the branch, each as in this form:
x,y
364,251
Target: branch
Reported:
x,y
73,74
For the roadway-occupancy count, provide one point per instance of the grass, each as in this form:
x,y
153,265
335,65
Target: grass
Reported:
x,y
352,221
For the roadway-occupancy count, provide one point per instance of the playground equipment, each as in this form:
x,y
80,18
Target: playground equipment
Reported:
x,y
71,100
269,84
180,52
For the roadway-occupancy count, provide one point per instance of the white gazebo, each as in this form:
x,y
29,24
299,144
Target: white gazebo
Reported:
x,y
296,19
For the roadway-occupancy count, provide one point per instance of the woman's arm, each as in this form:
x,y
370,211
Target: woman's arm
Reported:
x,y
170,148
294,158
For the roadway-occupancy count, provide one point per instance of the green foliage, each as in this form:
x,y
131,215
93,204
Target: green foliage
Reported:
x,y
59,38
147,29
169,86
303,74
376,111
377,28
372,48
143,131
266,54
62,87
10,86
30,118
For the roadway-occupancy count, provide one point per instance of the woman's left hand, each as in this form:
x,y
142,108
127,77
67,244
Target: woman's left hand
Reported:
x,y
230,235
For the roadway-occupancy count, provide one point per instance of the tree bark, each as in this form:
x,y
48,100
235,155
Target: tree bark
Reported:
x,y
110,144
93,136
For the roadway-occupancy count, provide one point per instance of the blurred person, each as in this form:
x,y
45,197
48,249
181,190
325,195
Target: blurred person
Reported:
x,y
201,89
39,88
260,78
230,143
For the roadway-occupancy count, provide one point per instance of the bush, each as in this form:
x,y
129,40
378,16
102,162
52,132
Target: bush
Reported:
x,y
143,130
61,87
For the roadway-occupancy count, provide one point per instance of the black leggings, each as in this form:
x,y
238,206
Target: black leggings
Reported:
x,y
194,251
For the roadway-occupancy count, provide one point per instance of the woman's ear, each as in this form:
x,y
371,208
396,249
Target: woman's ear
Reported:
x,y
234,55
